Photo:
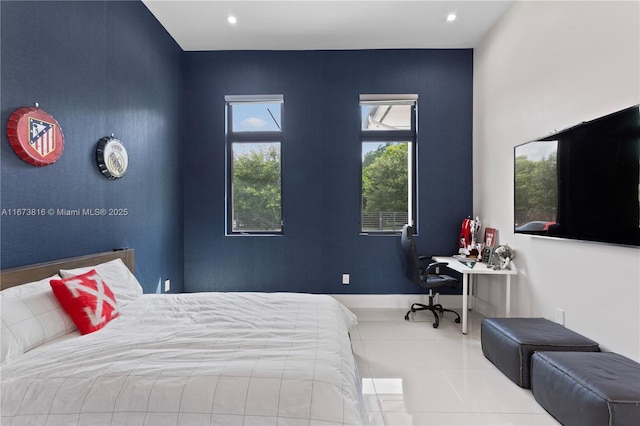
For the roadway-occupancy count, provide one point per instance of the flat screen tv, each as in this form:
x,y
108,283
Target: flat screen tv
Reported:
x,y
582,183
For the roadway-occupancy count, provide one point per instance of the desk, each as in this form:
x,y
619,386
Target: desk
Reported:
x,y
479,269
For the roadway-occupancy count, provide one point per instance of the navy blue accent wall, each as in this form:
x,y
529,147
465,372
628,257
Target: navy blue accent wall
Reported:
x,y
99,67
321,157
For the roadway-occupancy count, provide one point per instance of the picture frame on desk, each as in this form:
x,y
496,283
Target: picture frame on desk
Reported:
x,y
487,253
490,235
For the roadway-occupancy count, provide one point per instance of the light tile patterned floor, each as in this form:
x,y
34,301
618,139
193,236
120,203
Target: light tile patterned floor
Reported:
x,y
414,374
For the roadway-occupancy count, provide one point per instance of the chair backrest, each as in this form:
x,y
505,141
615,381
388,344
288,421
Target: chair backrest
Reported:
x,y
414,266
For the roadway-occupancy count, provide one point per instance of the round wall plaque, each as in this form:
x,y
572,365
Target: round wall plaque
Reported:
x,y
112,157
35,136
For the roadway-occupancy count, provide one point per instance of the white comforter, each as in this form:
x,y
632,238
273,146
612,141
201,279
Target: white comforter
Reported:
x,y
195,359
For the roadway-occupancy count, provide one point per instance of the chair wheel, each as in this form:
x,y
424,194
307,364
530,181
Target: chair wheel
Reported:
x,y
457,320
406,317
435,325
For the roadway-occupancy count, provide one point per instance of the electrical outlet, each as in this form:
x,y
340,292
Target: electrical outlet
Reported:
x,y
559,316
345,279
167,285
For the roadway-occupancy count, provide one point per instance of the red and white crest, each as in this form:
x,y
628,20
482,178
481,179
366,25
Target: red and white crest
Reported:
x,y
35,136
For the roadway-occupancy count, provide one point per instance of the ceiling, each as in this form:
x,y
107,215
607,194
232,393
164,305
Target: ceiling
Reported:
x,y
326,25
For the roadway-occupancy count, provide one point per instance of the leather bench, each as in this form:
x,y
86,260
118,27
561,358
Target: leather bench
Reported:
x,y
587,388
509,343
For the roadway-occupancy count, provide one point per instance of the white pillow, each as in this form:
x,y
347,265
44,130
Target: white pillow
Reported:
x,y
118,277
31,316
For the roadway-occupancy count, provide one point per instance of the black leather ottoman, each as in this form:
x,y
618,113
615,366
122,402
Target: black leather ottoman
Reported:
x,y
587,388
509,343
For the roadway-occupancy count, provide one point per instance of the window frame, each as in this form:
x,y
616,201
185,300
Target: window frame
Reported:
x,y
248,137
393,136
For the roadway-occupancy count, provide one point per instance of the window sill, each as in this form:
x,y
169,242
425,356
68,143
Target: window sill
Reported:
x,y
254,234
381,234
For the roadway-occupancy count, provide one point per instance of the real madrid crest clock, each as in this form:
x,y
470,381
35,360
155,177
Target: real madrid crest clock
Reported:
x,y
35,136
112,157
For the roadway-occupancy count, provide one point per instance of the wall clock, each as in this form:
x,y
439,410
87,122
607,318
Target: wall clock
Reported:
x,y
112,157
35,136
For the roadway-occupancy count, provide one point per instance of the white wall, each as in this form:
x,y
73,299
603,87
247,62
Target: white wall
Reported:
x,y
547,66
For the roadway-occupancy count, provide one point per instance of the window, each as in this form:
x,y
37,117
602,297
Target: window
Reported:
x,y
254,164
388,137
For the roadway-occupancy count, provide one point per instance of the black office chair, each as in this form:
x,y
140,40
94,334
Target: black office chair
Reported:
x,y
425,275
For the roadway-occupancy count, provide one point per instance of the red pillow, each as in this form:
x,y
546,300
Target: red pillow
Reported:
x,y
87,299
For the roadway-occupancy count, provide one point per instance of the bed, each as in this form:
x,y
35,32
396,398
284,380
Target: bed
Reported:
x,y
179,359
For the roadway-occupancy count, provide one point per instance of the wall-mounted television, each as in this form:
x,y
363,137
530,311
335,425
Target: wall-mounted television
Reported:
x,y
582,183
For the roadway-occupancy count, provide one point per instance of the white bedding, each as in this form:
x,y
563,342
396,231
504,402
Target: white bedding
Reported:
x,y
195,359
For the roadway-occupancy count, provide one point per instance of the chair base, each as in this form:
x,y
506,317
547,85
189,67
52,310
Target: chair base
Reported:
x,y
435,309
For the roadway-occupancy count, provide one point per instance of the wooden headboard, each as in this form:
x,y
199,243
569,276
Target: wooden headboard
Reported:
x,y
25,274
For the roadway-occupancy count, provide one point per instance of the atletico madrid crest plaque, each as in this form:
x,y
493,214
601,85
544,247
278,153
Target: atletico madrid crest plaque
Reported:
x,y
35,136
112,157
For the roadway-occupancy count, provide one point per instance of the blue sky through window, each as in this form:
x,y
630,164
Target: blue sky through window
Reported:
x,y
256,117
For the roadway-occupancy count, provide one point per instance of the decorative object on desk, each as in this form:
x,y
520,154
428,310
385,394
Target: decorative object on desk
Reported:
x,y
112,157
465,235
487,253
35,136
490,235
467,261
505,255
474,253
467,239
475,228
494,261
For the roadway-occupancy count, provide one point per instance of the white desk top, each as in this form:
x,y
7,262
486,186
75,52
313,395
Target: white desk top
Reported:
x,y
479,267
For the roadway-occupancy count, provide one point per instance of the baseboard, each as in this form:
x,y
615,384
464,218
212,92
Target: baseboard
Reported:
x,y
486,309
394,300
404,301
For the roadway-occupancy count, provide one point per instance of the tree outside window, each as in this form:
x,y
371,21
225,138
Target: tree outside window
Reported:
x,y
254,180
388,168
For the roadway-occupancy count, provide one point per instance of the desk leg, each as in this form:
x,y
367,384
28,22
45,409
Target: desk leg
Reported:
x,y
472,299
465,301
508,308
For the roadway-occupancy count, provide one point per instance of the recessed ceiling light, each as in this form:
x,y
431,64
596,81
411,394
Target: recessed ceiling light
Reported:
x,y
232,20
451,17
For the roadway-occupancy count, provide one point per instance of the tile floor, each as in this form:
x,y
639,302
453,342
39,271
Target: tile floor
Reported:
x,y
414,374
